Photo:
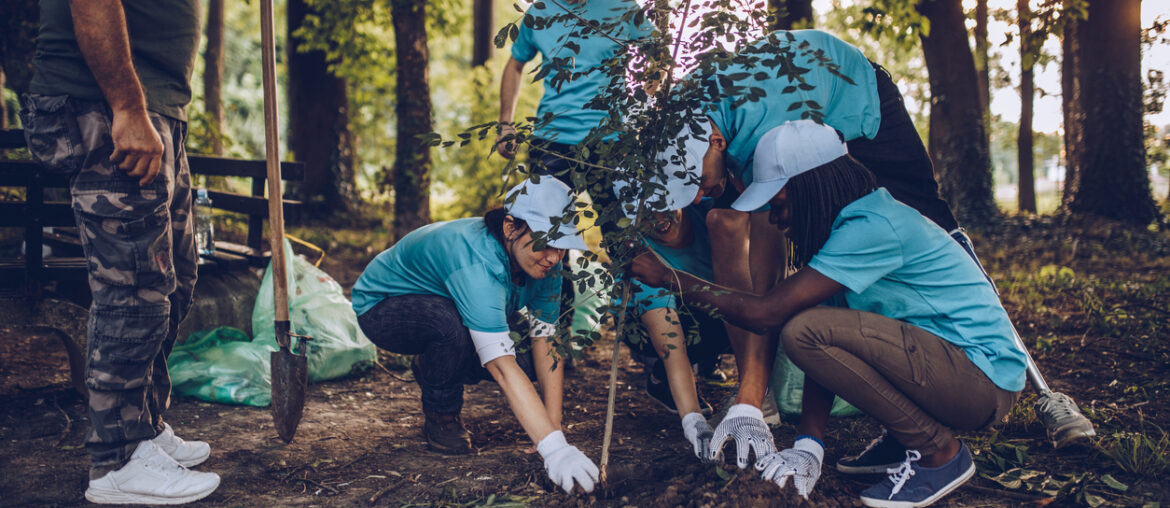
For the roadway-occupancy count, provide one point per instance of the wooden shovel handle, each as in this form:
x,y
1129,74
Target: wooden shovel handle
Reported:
x,y
272,157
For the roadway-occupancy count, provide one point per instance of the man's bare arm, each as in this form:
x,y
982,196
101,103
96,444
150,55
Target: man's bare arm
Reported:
x,y
758,313
100,26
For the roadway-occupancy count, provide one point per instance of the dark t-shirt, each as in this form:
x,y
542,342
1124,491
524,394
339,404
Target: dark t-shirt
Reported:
x,y
164,37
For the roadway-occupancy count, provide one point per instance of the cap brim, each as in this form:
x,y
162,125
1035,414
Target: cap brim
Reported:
x,y
566,241
756,195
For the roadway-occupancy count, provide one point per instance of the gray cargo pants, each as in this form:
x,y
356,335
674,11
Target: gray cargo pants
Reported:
x,y
915,383
140,247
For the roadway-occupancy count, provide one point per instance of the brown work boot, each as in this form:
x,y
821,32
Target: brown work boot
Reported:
x,y
445,434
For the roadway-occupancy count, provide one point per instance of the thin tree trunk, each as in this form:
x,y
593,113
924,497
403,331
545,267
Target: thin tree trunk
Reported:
x,y
982,60
481,49
958,137
1069,86
318,124
412,159
19,21
3,103
1027,181
1110,177
790,14
213,74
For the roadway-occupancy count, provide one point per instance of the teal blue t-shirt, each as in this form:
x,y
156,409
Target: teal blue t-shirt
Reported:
x,y
694,259
566,100
896,263
459,260
854,109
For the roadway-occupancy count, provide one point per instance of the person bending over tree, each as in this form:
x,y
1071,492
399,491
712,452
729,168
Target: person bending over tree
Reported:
x,y
924,347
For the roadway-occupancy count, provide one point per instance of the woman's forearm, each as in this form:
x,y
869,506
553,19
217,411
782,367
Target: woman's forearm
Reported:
x,y
522,397
551,375
510,89
669,340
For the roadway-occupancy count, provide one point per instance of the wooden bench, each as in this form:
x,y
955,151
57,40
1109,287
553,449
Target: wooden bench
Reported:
x,y
35,213
22,304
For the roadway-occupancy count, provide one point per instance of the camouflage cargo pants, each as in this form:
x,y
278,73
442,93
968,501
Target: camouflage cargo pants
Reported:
x,y
140,248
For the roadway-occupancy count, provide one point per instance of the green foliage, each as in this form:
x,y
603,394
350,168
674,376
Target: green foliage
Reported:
x,y
648,105
1145,453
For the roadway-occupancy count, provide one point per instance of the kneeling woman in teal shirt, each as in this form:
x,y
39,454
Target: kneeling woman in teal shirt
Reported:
x,y
924,347
446,293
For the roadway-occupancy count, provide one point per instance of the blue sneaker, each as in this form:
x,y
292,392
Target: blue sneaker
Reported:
x,y
910,485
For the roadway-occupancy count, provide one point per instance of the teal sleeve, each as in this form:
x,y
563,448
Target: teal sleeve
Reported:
x,y
545,303
860,251
524,48
479,297
648,298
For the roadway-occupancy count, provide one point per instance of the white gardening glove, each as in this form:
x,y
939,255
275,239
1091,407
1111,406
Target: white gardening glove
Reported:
x,y
745,424
566,464
802,463
697,431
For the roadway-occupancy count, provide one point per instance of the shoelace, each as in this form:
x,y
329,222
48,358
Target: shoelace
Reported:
x,y
1057,404
873,444
903,472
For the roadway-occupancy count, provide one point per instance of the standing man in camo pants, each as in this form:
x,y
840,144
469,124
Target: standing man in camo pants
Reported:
x,y
107,105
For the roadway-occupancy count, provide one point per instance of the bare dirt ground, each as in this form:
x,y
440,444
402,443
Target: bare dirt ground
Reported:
x,y
360,441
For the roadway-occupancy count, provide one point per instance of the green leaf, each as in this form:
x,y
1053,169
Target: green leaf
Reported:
x,y
1113,483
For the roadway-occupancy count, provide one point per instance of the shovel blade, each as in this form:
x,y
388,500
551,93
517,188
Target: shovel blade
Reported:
x,y
290,376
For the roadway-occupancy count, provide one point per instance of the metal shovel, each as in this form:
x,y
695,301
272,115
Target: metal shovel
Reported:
x,y
290,370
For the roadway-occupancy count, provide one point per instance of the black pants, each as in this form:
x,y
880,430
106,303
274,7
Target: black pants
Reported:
x,y
430,326
898,159
558,160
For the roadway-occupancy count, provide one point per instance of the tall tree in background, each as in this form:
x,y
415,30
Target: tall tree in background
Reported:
x,y
1071,19
1028,54
1107,170
213,74
482,24
958,137
318,123
410,176
982,60
18,29
790,14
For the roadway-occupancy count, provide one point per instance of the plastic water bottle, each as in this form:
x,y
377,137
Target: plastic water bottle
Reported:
x,y
204,230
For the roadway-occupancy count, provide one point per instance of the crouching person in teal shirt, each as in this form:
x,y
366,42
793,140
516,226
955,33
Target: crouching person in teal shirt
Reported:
x,y
924,347
445,293
678,233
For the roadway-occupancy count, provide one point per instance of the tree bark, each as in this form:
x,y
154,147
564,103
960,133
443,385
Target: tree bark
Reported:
x,y
412,159
3,103
790,14
1027,180
19,20
958,136
1069,86
213,74
982,60
318,124
1108,170
481,49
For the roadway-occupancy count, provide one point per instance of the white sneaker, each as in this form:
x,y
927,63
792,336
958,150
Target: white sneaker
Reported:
x,y
151,477
186,453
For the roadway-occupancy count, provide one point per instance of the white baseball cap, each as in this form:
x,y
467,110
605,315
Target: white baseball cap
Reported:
x,y
784,152
537,203
682,168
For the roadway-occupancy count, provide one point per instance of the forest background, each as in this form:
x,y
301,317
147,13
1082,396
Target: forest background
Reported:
x,y
341,79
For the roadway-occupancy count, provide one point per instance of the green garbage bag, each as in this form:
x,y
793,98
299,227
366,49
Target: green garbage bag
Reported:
x,y
787,386
224,365
317,307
